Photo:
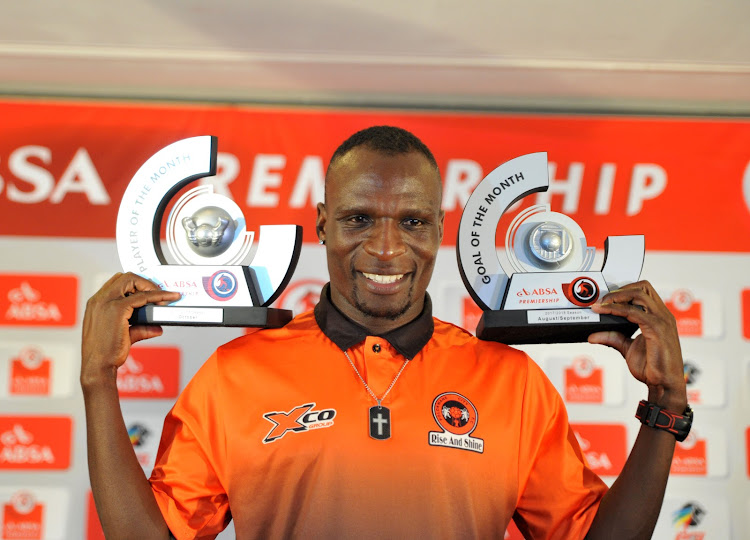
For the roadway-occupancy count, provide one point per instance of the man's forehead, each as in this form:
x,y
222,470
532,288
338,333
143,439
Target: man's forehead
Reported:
x,y
364,162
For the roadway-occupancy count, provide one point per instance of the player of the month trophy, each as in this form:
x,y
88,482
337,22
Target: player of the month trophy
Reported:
x,y
542,290
210,258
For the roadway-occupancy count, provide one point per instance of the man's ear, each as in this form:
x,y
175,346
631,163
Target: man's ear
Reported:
x,y
320,222
441,224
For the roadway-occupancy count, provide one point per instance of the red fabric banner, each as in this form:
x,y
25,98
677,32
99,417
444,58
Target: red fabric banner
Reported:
x,y
684,183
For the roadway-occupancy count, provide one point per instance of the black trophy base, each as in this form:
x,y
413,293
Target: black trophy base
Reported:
x,y
512,327
260,317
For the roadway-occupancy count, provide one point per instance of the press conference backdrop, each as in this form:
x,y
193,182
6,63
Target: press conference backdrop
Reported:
x,y
683,183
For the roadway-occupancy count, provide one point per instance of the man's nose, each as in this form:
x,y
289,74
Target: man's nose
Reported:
x,y
385,241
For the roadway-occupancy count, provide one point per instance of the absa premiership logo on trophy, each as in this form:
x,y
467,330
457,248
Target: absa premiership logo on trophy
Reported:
x,y
210,258
540,291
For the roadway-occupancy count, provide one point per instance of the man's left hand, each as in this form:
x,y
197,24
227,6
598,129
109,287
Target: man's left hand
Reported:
x,y
654,356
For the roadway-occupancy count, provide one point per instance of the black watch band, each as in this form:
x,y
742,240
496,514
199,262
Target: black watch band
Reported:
x,y
651,415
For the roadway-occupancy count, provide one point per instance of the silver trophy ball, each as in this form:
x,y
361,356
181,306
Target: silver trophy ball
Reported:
x,y
550,242
210,231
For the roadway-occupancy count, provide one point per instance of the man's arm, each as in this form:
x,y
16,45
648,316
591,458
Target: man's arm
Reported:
x,y
124,500
631,507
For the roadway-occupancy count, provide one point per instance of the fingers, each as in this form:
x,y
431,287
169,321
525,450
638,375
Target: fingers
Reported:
x,y
638,302
141,332
616,340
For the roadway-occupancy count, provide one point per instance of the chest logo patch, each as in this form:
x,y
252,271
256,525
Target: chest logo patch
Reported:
x,y
457,418
300,419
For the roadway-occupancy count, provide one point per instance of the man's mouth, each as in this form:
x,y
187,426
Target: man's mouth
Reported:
x,y
384,279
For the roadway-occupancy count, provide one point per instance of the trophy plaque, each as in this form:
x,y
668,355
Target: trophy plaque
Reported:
x,y
210,256
542,290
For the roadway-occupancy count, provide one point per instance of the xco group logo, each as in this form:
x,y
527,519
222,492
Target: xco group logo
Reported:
x,y
298,420
457,417
23,517
35,442
38,300
603,445
150,372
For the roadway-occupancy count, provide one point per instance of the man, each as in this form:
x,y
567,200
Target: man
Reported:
x,y
367,417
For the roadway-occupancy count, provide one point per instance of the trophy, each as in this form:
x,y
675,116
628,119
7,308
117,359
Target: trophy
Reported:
x,y
210,258
543,289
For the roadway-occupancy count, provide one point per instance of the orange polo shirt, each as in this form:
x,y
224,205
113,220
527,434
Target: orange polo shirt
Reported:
x,y
274,432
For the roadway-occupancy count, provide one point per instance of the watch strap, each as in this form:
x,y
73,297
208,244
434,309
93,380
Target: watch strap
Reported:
x,y
651,415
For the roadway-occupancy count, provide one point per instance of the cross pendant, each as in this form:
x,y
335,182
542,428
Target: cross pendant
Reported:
x,y
380,422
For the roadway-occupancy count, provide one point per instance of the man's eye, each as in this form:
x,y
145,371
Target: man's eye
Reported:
x,y
413,222
357,220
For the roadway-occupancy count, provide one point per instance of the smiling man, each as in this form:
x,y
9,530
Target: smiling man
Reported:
x,y
367,417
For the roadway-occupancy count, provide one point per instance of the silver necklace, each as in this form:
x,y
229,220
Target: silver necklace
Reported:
x,y
380,416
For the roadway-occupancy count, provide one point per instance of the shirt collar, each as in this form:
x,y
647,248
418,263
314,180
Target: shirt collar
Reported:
x,y
408,339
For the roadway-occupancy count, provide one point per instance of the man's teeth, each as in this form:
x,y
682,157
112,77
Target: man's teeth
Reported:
x,y
378,278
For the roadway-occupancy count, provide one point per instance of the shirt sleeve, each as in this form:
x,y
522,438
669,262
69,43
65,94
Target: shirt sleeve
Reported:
x,y
558,494
186,479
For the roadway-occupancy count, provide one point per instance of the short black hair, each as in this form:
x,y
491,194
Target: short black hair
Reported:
x,y
388,140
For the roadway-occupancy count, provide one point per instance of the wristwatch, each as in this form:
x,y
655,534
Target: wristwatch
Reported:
x,y
651,415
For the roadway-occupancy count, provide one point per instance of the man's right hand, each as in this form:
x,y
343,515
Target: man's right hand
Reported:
x,y
107,334
114,471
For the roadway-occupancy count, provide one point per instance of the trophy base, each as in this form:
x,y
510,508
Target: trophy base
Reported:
x,y
245,316
513,327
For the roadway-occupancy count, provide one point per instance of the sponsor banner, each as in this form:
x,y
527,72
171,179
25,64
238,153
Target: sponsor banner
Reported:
x,y
93,525
587,375
702,453
705,378
35,442
38,300
37,370
470,314
613,175
746,313
150,372
693,516
698,312
512,533
34,513
604,446
144,432
301,295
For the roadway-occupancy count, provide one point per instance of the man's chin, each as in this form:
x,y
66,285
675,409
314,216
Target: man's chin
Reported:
x,y
388,312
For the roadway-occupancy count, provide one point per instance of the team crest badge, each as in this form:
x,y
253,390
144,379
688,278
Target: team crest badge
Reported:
x,y
457,417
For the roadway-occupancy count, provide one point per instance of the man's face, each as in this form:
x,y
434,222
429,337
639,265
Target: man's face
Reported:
x,y
382,225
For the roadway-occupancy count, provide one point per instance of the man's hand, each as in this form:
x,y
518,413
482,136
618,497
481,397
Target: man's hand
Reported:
x,y
654,356
107,335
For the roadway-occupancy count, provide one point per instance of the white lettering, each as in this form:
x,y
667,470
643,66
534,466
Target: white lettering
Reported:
x,y
310,184
227,170
39,177
80,176
263,178
570,188
461,177
606,187
648,182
